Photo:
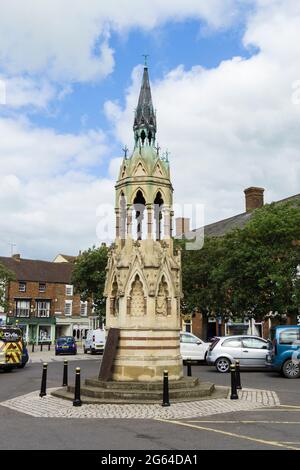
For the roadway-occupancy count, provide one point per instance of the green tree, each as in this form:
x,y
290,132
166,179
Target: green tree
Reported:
x,y
259,270
250,271
88,277
201,291
5,277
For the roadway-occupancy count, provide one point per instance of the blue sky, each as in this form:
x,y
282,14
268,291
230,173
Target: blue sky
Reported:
x,y
188,43
222,75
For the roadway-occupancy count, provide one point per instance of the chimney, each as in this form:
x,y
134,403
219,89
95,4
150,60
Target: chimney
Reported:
x,y
254,198
17,257
182,226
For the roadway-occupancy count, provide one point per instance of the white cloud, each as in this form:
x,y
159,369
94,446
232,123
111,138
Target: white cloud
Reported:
x,y
233,126
49,188
69,40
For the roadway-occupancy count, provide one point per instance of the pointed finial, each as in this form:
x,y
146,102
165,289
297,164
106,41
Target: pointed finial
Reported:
x,y
145,59
157,149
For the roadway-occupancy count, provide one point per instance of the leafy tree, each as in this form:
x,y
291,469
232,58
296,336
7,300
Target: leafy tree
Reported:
x,y
260,269
5,277
250,271
88,277
201,292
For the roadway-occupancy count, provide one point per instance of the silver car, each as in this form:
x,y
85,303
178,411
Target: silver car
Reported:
x,y
251,351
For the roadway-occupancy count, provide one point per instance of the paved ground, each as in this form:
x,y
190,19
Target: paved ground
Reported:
x,y
276,427
49,356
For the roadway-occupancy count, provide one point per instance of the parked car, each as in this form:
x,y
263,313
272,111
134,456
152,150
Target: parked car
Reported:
x,y
192,347
251,351
65,345
25,356
94,341
285,354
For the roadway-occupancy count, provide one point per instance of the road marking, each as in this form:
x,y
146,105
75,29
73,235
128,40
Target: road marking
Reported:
x,y
290,406
230,434
245,422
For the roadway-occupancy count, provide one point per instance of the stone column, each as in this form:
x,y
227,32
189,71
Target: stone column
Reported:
x,y
166,212
117,212
149,221
171,223
129,222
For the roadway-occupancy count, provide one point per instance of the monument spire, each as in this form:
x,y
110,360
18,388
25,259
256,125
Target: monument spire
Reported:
x,y
144,126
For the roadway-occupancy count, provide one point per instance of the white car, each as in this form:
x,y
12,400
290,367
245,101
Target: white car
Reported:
x,y
94,341
192,347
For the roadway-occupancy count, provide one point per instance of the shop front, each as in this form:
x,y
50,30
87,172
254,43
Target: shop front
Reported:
x,y
36,330
76,327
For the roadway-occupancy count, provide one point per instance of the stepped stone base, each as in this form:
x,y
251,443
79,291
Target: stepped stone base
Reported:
x,y
99,392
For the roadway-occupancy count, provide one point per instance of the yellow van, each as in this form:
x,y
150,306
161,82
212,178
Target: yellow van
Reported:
x,y
11,347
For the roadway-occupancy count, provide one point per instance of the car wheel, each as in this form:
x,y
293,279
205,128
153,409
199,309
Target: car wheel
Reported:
x,y
223,365
291,369
92,351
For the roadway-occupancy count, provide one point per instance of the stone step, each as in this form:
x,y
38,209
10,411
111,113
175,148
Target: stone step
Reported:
x,y
185,382
201,390
219,392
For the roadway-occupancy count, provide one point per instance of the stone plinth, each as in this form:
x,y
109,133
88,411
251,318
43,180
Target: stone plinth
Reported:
x,y
99,392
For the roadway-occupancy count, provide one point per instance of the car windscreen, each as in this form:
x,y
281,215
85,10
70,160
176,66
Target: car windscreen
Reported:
x,y
65,341
10,335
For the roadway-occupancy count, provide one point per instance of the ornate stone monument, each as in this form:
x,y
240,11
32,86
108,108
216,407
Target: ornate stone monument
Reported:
x,y
143,285
143,281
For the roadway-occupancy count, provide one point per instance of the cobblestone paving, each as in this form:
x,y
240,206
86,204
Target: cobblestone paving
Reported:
x,y
52,407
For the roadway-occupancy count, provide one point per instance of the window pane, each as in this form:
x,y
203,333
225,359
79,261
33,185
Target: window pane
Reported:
x,y
232,343
188,339
254,343
289,336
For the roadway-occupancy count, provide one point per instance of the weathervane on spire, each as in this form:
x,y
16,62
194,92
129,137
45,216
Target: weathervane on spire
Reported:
x,y
145,59
125,150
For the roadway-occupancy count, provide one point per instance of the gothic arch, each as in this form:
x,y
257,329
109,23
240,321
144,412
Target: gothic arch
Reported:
x,y
136,300
163,298
135,192
114,299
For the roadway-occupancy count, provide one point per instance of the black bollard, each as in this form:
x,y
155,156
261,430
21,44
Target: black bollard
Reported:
x,y
44,380
238,375
65,374
32,349
234,395
77,400
49,346
166,401
189,367
41,346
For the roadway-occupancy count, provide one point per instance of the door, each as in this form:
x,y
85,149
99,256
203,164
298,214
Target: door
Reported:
x,y
232,348
254,352
191,347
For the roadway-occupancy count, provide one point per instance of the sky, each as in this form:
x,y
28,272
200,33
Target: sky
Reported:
x,y
225,78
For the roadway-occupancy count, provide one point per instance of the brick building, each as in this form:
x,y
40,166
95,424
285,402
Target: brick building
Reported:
x,y
254,199
42,301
